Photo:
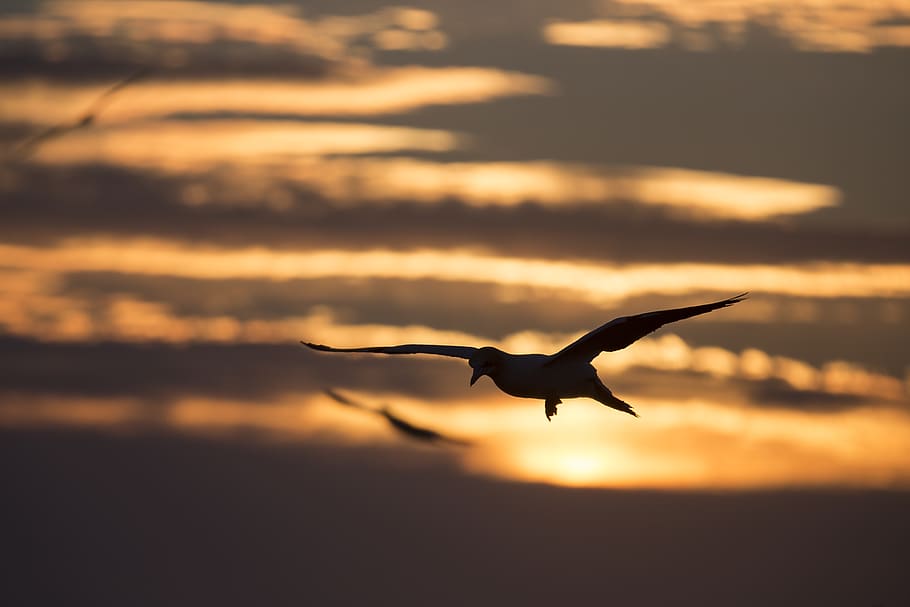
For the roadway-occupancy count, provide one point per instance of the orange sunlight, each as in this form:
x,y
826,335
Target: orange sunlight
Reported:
x,y
698,444
374,91
35,310
687,444
597,282
617,34
150,23
847,26
200,144
293,151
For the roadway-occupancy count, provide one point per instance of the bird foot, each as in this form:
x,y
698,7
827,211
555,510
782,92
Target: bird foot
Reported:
x,y
550,407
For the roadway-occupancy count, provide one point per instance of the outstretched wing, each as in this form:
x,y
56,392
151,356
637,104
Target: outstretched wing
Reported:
x,y
104,98
454,351
400,424
347,402
418,432
620,332
100,103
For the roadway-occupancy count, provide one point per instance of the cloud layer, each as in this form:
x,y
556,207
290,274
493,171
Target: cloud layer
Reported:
x,y
421,174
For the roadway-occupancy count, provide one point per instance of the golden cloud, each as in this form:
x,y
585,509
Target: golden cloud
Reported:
x,y
163,23
371,92
597,282
184,146
37,311
848,26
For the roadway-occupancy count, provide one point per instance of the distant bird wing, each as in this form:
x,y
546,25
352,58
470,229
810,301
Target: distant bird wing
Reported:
x,y
25,148
419,432
347,401
400,424
620,332
105,98
454,351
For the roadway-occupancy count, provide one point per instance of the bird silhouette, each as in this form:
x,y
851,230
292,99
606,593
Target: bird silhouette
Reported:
x,y
552,377
404,427
28,146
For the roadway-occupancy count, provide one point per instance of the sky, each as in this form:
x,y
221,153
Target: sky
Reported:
x,y
469,173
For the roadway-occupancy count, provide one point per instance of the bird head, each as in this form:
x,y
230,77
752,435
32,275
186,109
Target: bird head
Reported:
x,y
485,361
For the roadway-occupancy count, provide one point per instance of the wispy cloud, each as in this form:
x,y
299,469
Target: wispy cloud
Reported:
x,y
20,410
368,92
699,194
295,153
602,32
37,310
850,26
157,23
198,145
314,202
597,282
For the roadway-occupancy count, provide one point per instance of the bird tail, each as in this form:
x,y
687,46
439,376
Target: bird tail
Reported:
x,y
603,395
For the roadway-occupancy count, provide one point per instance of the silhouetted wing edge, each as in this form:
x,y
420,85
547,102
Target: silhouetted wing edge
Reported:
x,y
346,400
593,343
439,350
458,442
24,148
399,423
103,99
420,432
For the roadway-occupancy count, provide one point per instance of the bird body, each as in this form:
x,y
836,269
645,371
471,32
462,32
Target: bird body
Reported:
x,y
552,377
530,375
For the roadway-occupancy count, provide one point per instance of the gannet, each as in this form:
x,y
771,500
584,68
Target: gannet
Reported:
x,y
401,425
553,377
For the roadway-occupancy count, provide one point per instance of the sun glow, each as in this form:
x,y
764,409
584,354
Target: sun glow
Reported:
x,y
275,114
687,444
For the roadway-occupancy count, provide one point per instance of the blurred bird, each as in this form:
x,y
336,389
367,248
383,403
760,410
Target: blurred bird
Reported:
x,y
552,377
402,426
28,146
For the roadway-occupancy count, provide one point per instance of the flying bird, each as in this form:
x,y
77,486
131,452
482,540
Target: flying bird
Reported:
x,y
552,377
26,147
403,426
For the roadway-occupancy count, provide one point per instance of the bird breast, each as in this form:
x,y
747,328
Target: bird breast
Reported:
x,y
528,376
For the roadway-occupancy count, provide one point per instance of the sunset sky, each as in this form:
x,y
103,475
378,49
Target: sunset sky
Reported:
x,y
470,173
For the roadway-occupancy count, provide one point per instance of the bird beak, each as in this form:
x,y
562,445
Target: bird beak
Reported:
x,y
478,373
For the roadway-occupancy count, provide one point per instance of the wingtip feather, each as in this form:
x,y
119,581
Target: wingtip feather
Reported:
x,y
736,298
316,346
